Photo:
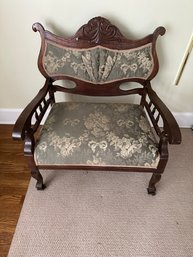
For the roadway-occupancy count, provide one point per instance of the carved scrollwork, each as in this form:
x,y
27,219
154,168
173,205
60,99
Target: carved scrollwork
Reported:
x,y
99,30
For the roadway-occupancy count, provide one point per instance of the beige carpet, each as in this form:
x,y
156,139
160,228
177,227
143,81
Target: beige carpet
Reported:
x,y
109,214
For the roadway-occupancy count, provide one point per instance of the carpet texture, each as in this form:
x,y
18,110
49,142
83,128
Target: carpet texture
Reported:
x,y
109,214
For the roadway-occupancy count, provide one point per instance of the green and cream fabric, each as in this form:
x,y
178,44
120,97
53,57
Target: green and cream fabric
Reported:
x,y
97,134
98,64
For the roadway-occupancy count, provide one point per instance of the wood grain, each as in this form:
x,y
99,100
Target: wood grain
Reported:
x,y
14,179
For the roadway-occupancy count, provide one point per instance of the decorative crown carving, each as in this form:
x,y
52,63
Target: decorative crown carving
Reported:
x,y
99,30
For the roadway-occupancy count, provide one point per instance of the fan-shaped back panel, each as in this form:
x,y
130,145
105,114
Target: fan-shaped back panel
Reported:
x,y
98,64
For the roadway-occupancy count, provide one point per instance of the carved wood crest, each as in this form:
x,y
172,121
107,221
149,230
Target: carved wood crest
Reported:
x,y
99,30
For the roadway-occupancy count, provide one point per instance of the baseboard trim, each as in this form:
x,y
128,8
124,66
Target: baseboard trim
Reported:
x,y
9,116
184,119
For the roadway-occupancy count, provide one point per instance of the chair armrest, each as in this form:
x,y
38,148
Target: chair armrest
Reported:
x,y
170,126
37,108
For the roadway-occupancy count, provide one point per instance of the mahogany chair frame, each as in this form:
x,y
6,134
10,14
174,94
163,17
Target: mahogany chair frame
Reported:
x,y
98,31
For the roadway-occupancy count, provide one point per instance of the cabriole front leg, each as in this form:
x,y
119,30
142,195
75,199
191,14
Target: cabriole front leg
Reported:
x,y
153,181
28,152
35,173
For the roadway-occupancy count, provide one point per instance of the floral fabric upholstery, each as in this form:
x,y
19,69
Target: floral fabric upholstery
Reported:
x,y
97,134
98,65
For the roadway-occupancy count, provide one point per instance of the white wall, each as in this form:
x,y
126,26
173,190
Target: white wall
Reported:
x,y
19,45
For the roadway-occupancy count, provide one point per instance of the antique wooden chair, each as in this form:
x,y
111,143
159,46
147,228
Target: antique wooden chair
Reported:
x,y
98,59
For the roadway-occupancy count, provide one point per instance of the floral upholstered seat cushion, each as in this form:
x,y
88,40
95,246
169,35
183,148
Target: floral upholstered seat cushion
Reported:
x,y
97,134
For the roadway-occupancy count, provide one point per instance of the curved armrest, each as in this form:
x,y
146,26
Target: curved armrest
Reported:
x,y
23,123
170,125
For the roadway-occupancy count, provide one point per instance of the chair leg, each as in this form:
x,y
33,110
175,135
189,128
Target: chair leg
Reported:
x,y
154,179
37,175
